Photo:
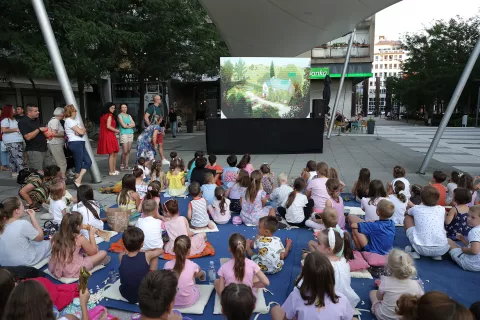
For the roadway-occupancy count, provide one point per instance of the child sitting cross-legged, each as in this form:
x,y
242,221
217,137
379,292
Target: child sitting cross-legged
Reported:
x,y
176,178
151,226
254,201
58,206
299,207
220,208
208,189
334,187
234,192
186,271
279,196
456,220
468,257
240,269
140,184
424,226
376,193
238,302
268,178
336,246
375,236
158,174
134,263
156,296
271,251
177,225
128,198
198,209
384,300
399,200
314,296
327,219
437,182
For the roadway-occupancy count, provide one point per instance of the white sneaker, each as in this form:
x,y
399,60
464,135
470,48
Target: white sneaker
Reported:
x,y
437,258
166,162
411,253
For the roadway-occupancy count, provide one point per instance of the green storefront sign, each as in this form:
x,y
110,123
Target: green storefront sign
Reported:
x,y
320,73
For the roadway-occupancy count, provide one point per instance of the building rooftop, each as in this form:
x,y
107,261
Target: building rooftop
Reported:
x,y
388,43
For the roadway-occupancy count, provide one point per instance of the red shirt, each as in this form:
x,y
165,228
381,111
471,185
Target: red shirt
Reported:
x,y
219,171
442,201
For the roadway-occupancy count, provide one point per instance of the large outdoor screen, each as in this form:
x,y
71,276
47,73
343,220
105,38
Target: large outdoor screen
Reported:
x,y
265,87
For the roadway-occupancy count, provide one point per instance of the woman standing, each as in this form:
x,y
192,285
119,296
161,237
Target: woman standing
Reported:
x,y
147,141
76,143
57,143
126,135
13,140
107,140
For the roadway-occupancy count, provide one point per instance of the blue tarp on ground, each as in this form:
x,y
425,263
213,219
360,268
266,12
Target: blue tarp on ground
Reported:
x,y
443,275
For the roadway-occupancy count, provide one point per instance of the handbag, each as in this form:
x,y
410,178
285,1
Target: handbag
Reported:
x,y
118,218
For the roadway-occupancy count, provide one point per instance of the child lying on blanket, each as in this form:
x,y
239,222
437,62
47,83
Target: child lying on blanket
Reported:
x,y
186,270
135,264
375,236
271,252
240,269
157,295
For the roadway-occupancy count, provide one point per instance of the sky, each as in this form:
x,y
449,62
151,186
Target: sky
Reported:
x,y
412,15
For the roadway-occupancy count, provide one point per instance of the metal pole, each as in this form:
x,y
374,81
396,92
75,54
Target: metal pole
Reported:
x,y
62,76
451,106
478,107
340,87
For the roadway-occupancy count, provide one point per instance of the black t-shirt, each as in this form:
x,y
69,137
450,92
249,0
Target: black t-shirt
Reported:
x,y
172,116
198,175
27,125
18,117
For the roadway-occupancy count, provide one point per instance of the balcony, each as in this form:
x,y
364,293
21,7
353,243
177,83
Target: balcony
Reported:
x,y
336,52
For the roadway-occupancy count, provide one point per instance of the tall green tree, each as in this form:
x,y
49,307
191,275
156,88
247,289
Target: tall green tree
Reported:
x,y
240,69
272,70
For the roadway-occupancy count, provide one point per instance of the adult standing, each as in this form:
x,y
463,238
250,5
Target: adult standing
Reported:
x,y
126,135
19,112
38,155
172,115
3,151
76,143
12,139
147,141
156,109
56,144
107,139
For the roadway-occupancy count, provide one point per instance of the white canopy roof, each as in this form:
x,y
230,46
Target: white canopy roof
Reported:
x,y
286,28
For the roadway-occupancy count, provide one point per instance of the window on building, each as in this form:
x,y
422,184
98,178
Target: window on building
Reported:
x,y
376,74
384,74
390,58
376,58
394,66
376,66
390,66
371,83
395,57
400,57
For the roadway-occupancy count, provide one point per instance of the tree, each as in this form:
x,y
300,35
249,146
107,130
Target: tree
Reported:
x,y
226,72
272,70
240,69
437,56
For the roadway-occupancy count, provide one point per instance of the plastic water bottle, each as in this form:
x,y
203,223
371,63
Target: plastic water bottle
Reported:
x,y
112,276
212,274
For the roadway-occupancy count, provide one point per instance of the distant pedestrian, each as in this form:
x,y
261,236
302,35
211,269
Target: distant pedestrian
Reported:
x,y
173,121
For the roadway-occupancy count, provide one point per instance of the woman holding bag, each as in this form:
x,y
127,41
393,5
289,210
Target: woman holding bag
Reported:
x,y
13,140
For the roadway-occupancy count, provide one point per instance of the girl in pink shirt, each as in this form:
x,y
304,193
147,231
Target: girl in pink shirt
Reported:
x,y
177,226
336,202
245,164
186,271
240,269
317,189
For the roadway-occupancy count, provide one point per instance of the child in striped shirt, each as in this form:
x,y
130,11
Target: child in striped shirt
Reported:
x,y
197,209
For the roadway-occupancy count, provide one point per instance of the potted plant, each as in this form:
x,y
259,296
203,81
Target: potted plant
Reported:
x,y
371,126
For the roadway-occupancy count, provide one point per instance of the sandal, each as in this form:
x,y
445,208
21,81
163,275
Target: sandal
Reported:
x,y
122,168
35,207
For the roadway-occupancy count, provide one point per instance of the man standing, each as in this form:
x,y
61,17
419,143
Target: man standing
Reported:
x,y
38,155
172,115
156,110
19,113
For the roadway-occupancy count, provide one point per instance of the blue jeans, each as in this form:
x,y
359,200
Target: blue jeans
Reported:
x,y
80,155
174,128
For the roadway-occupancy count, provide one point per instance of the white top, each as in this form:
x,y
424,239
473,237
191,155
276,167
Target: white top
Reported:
x,y
407,186
217,215
54,124
69,124
88,217
56,208
370,209
295,211
473,236
313,174
343,280
152,228
392,288
279,196
11,137
17,245
400,208
429,230
146,171
451,186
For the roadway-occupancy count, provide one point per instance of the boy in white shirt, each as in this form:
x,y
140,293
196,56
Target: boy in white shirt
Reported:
x,y
279,196
151,226
424,226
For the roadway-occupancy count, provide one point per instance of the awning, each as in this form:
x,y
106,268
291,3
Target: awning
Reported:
x,y
286,28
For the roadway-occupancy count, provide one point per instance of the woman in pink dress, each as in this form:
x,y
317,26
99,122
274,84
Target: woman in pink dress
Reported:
x,y
107,139
178,226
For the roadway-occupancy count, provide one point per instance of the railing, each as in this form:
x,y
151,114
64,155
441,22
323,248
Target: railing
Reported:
x,y
340,52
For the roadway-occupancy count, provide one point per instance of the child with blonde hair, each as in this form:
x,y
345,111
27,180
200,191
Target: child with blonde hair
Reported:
x,y
384,300
198,209
327,219
239,269
208,189
152,226
176,178
187,271
58,206
158,174
279,196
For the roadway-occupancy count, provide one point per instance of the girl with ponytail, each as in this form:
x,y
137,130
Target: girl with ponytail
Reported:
x,y
253,201
400,201
299,208
186,271
401,269
220,208
240,269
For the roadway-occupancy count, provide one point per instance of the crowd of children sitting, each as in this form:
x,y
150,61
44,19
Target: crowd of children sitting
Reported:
x,y
435,217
